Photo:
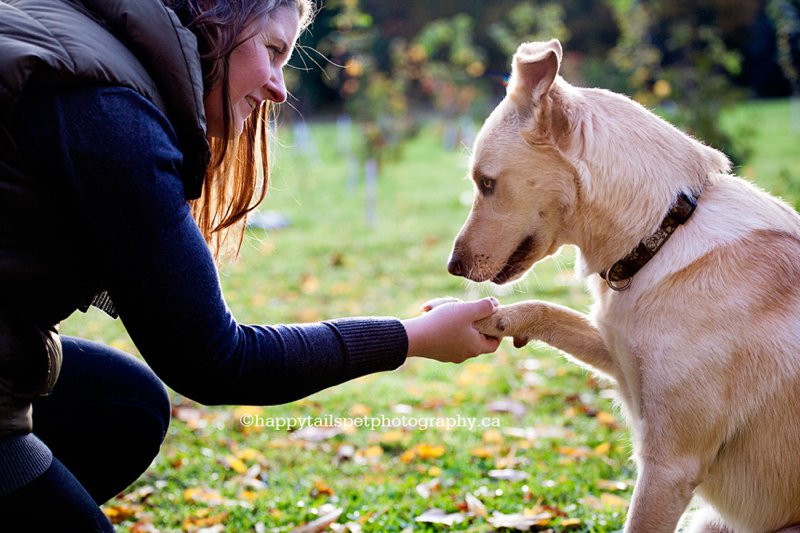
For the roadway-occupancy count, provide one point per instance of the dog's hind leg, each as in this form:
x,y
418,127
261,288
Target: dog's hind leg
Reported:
x,y
663,491
707,520
558,326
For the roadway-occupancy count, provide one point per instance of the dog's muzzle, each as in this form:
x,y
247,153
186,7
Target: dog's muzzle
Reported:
x,y
516,263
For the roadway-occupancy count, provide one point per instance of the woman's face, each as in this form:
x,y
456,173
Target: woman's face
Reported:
x,y
255,70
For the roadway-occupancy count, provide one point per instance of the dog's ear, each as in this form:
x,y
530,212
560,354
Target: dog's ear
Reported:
x,y
534,71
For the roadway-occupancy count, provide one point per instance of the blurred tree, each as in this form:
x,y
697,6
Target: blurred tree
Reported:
x,y
529,21
449,68
785,14
374,98
680,64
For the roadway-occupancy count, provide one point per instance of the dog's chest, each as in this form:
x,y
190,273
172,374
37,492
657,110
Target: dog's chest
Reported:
x,y
619,328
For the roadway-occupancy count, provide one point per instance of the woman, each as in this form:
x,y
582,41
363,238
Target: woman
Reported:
x,y
114,113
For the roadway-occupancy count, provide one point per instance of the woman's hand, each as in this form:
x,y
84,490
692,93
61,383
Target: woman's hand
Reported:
x,y
445,332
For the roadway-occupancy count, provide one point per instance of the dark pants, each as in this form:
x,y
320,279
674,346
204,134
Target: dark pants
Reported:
x,y
104,422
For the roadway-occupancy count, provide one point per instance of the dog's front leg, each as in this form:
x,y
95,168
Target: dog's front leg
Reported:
x,y
558,326
662,493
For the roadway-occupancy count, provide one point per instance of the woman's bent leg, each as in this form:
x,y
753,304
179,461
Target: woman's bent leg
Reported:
x,y
105,419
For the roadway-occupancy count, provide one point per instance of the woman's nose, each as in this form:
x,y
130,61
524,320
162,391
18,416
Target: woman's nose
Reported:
x,y
276,87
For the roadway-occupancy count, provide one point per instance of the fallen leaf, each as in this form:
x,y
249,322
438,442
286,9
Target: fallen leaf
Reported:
x,y
606,501
607,419
234,463
519,521
508,474
429,451
492,436
393,437
202,521
372,452
602,449
540,432
439,516
204,495
309,284
144,526
426,489
482,452
320,524
577,452
607,484
475,506
349,527
345,452
316,433
194,418
513,407
249,454
248,495
360,410
321,488
117,514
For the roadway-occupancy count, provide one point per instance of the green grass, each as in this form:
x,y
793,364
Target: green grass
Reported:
x,y
331,263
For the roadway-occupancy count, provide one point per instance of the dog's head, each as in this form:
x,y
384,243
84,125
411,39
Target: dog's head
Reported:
x,y
525,189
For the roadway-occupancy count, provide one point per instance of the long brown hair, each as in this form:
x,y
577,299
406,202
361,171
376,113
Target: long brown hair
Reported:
x,y
237,177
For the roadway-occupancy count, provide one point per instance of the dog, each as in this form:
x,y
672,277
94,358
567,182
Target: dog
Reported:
x,y
695,277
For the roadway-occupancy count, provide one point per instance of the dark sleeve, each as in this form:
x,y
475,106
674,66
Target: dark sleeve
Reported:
x,y
120,156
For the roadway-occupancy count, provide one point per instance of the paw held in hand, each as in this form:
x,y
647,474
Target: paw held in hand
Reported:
x,y
520,341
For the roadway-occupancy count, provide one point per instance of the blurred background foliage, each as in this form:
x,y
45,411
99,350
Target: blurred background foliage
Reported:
x,y
388,65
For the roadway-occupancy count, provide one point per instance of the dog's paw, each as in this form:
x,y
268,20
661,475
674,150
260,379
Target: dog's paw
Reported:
x,y
436,302
516,320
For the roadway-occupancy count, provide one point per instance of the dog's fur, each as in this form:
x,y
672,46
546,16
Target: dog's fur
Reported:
x,y
704,346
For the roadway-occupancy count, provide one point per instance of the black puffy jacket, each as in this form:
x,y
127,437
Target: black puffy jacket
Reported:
x,y
139,44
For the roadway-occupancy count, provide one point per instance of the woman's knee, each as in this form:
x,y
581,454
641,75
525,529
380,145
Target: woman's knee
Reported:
x,y
106,417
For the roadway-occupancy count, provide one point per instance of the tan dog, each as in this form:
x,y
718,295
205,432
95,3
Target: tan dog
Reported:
x,y
704,344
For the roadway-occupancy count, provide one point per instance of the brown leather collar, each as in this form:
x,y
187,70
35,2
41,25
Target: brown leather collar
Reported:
x,y
624,269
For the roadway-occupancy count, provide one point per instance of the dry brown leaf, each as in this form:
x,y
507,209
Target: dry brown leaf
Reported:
x,y
118,513
204,495
321,488
144,526
202,520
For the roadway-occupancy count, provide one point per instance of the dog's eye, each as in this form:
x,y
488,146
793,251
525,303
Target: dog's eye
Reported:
x,y
486,185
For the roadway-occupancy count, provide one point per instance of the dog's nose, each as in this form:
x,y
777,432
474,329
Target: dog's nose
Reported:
x,y
455,266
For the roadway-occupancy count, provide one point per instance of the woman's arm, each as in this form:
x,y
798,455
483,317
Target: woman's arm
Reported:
x,y
120,158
